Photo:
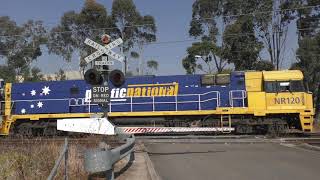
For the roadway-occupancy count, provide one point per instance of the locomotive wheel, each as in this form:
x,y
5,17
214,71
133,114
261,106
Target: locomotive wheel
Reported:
x,y
50,131
244,129
25,131
276,129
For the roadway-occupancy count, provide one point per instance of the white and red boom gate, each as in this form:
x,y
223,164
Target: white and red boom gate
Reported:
x,y
103,126
147,130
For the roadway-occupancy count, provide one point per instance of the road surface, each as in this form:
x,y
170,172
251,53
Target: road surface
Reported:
x,y
263,161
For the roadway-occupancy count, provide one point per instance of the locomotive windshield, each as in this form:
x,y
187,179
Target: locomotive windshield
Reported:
x,y
284,86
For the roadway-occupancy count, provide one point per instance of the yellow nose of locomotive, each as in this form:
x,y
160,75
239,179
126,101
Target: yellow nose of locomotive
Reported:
x,y
280,93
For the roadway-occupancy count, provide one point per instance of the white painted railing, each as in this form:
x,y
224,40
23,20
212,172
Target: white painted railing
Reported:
x,y
176,101
233,96
76,102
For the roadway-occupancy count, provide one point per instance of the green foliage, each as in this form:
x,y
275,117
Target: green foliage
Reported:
x,y
189,64
203,22
33,75
126,17
19,46
147,30
7,73
134,54
263,66
307,17
131,26
248,26
242,50
309,64
60,75
153,66
235,48
203,54
226,71
92,22
134,28
309,61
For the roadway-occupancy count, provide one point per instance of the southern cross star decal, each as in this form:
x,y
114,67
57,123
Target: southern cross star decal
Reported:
x,y
46,90
23,111
40,104
33,92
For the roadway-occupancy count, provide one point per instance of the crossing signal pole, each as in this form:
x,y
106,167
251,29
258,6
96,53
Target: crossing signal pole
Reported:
x,y
99,78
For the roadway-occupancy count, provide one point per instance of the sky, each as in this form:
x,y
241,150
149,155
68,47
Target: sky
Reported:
x,y
172,20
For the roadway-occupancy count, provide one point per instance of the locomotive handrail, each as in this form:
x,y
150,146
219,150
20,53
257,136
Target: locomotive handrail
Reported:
x,y
176,101
27,100
192,94
217,92
169,102
4,107
82,102
243,97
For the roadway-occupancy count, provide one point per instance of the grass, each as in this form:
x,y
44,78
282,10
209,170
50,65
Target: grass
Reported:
x,y
35,161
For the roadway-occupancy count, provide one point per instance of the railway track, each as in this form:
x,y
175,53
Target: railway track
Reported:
x,y
226,139
113,141
84,141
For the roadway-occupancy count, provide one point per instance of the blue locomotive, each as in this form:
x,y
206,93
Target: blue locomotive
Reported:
x,y
238,99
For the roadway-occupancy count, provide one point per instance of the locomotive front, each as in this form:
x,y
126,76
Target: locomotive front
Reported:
x,y
281,94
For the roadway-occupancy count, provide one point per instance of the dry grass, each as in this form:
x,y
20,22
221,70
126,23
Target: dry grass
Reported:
x,y
35,161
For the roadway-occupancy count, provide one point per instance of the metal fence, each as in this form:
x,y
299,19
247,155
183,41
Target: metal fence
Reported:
x,y
63,155
101,161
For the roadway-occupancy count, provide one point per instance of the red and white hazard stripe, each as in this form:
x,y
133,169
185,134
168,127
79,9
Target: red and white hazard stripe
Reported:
x,y
139,130
103,126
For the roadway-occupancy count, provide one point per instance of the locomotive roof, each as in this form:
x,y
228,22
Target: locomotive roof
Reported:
x,y
282,75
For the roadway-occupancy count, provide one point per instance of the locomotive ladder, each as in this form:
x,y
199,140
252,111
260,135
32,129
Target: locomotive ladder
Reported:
x,y
225,121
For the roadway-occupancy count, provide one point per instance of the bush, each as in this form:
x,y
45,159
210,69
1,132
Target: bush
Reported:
x,y
263,66
35,161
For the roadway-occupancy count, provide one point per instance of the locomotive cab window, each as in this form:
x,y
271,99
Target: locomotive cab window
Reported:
x,y
297,86
284,86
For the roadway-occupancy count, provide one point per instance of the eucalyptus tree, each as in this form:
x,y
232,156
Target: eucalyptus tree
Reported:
x,y
215,23
20,45
91,22
228,23
152,65
68,36
132,27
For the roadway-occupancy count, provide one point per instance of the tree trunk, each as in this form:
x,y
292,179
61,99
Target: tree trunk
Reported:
x,y
141,62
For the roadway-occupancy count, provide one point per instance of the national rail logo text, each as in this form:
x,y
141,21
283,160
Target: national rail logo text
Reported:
x,y
142,90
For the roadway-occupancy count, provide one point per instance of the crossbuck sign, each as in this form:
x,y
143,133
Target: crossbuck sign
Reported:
x,y
103,50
